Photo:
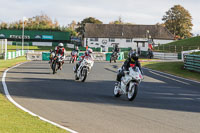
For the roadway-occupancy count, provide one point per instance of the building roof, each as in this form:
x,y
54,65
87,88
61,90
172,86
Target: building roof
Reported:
x,y
126,31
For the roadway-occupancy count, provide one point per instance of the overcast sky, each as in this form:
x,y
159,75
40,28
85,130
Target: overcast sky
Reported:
x,y
133,11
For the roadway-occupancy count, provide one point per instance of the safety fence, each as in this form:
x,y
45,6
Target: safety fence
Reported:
x,y
192,62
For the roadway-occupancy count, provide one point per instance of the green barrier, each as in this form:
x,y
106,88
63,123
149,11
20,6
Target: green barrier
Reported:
x,y
192,62
179,56
108,55
45,56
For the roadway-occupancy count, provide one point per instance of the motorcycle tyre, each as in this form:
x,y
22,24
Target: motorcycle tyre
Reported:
x,y
85,71
134,94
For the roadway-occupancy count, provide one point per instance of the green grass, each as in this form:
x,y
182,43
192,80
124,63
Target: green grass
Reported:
x,y
14,120
175,68
181,45
196,53
36,48
8,63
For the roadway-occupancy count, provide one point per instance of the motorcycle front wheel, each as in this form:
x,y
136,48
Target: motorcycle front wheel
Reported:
x,y
76,77
54,67
84,75
132,92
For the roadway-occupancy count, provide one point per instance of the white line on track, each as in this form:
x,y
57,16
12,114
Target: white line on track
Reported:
x,y
171,75
170,78
24,109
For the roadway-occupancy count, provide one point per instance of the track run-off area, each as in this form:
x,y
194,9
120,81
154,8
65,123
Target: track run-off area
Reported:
x,y
164,103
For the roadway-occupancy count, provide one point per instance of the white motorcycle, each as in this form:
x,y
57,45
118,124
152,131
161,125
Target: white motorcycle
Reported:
x,y
129,83
84,68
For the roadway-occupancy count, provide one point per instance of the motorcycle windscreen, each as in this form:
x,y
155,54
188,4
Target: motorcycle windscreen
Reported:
x,y
87,58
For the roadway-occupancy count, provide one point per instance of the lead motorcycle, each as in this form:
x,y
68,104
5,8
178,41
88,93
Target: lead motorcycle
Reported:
x,y
84,69
57,63
129,83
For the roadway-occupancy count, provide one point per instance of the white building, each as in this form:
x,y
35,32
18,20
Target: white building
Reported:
x,y
126,36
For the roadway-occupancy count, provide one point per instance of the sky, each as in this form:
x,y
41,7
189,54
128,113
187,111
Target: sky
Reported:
x,y
65,11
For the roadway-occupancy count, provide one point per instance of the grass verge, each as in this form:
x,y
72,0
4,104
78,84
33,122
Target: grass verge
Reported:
x,y
175,68
14,120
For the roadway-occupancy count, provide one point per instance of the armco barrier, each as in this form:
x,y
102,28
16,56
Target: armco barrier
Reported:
x,y
165,56
192,62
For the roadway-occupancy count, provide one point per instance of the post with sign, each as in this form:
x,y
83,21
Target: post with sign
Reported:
x,y
5,43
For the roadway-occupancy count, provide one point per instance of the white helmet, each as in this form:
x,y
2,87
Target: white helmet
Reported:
x,y
90,51
60,45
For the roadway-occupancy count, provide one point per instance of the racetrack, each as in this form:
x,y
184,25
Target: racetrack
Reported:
x,y
164,104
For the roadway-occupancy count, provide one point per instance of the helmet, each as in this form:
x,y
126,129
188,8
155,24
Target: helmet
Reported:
x,y
60,45
133,56
89,51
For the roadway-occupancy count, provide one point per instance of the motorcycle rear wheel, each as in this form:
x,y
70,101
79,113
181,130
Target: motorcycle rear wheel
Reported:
x,y
116,92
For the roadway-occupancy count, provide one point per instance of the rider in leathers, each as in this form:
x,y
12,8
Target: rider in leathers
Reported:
x,y
132,61
87,53
60,50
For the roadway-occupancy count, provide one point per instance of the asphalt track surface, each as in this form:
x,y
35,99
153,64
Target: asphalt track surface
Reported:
x,y
164,104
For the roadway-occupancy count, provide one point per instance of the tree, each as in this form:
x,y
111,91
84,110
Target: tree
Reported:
x,y
81,24
39,22
4,25
178,21
119,21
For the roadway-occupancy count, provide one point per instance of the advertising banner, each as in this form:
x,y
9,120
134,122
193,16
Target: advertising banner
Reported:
x,y
50,37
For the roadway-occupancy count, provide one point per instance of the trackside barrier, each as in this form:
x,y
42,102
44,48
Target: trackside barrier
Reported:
x,y
165,56
13,55
192,62
183,53
97,56
34,56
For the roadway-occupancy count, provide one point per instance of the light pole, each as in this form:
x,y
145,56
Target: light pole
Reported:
x,y
24,19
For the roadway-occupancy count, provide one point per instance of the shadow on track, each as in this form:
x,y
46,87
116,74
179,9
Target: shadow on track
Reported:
x,y
101,92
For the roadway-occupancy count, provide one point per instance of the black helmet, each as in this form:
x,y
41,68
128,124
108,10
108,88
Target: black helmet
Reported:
x,y
133,56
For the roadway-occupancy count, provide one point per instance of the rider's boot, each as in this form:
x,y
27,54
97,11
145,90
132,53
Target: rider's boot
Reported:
x,y
75,71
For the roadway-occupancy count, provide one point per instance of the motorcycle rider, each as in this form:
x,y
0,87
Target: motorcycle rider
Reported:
x,y
60,50
116,49
132,61
76,50
87,53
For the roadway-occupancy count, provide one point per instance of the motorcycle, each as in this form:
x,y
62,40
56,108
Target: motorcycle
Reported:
x,y
84,68
114,57
73,56
129,83
52,55
150,55
57,63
